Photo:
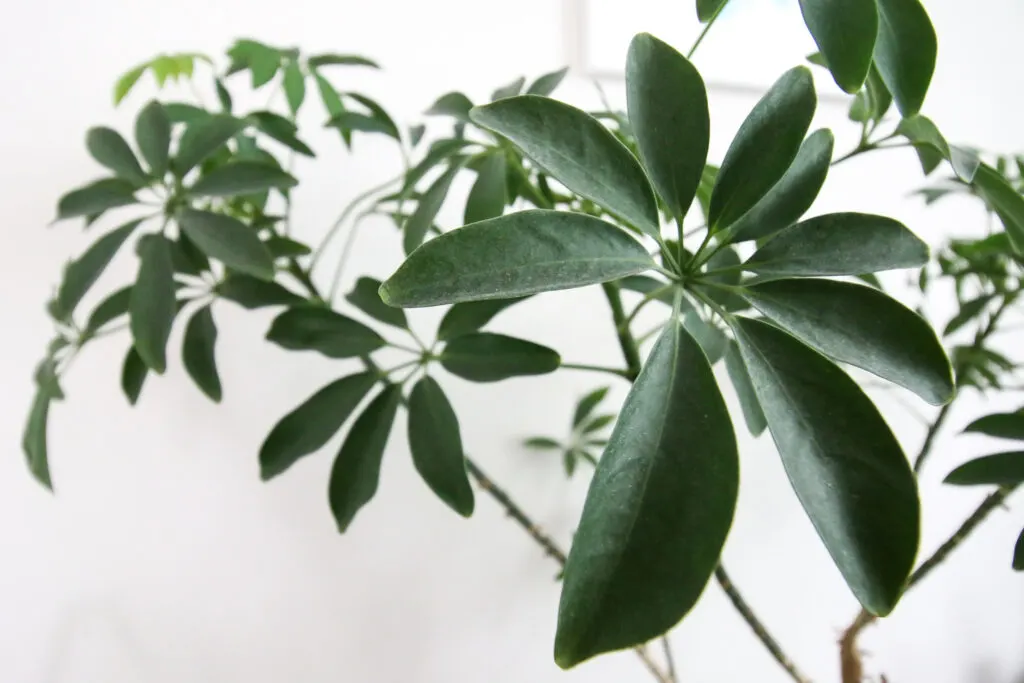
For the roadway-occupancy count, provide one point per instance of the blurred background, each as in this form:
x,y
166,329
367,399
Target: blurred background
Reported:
x,y
162,556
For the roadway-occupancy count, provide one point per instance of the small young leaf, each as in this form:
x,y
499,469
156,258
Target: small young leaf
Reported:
x,y
515,255
366,298
198,353
668,110
1005,201
487,198
252,293
706,9
860,326
294,86
999,469
83,272
453,104
153,136
658,509
111,150
241,177
126,82
133,375
95,198
33,441
844,463
511,90
541,443
487,357
109,309
920,130
845,31
312,424
317,61
598,423
749,405
228,240
436,446
471,316
575,148
152,303
202,138
309,328
999,426
546,84
905,52
587,404
419,222
764,148
356,470
840,244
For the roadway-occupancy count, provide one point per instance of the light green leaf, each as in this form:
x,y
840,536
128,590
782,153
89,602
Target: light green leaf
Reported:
x,y
153,136
844,463
749,405
587,404
294,86
764,147
546,84
471,316
95,198
228,240
198,353
202,138
309,328
133,375
515,255
241,177
111,150
356,470
252,293
845,31
83,272
487,357
999,426
415,229
366,298
920,130
311,425
152,304
668,111
453,104
1005,201
860,326
33,441
264,64
436,446
707,9
840,244
126,82
905,52
658,509
575,148
999,469
487,198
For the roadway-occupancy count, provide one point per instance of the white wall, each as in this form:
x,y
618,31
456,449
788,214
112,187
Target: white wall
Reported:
x,y
163,558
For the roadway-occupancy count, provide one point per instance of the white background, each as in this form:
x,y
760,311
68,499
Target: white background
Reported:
x,y
163,558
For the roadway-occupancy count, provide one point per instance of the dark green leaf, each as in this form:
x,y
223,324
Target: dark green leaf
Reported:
x,y
378,114
286,247
546,84
202,138
252,293
487,357
514,255
1018,553
749,405
83,272
317,61
452,104
311,425
181,112
282,130
840,244
126,82
228,240
241,177
355,121
223,96
487,197
308,328
415,229
95,198
711,339
47,380
510,90
764,148
645,284
133,375
365,297
668,110
844,463
264,62
706,9
294,86
152,303
471,316
1005,201
920,130
658,509
198,353
439,152
436,446
111,150
416,134
999,425
905,52
110,308
845,31
999,469
153,136
598,423
34,439
356,470
968,312
587,404
541,443
860,326
726,261
881,98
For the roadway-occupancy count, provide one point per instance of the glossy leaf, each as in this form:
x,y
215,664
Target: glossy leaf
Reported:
x,y
745,393
153,136
668,111
198,353
487,197
920,130
202,138
294,84
111,150
471,316
575,148
487,357
707,9
658,509
33,441
228,240
311,425
999,469
764,147
366,298
310,328
152,305
587,404
515,255
905,52
133,375
860,326
845,31
416,228
1005,201
356,470
252,293
83,272
842,460
546,84
840,244
436,445
95,198
241,177
453,104
999,425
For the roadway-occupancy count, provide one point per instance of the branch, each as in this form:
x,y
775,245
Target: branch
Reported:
x,y
629,348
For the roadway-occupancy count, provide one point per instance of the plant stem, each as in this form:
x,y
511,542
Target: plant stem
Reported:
x,y
757,627
669,659
929,437
597,368
318,254
707,27
626,341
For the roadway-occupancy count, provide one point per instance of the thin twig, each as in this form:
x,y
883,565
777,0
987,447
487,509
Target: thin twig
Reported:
x,y
669,659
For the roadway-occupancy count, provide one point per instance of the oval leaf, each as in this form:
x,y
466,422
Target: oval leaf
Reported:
x,y
471,316
95,198
228,240
486,357
365,296
487,198
658,509
764,147
241,177
152,304
575,148
198,353
309,328
546,84
306,429
356,470
999,425
430,203
999,469
110,149
202,138
436,446
842,460
83,272
905,52
133,375
840,244
845,31
515,255
153,136
860,326
252,293
294,86
749,405
1005,201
